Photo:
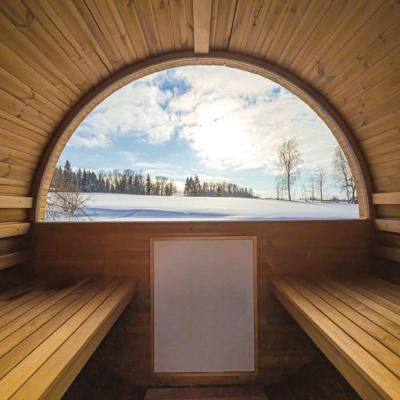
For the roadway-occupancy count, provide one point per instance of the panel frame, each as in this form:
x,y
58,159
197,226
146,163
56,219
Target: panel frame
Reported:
x,y
186,378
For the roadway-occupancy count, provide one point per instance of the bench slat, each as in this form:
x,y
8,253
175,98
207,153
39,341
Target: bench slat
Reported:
x,y
50,331
38,310
17,346
376,331
359,307
367,301
370,378
74,352
364,340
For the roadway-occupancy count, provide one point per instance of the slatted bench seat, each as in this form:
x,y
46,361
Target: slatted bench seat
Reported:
x,y
356,324
49,330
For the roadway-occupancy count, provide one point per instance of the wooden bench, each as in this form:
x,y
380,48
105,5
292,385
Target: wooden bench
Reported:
x,y
355,323
48,331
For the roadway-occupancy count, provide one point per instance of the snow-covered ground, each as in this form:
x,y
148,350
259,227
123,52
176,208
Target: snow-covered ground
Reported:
x,y
125,207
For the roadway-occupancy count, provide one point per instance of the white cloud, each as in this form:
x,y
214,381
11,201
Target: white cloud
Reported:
x,y
234,119
230,118
135,110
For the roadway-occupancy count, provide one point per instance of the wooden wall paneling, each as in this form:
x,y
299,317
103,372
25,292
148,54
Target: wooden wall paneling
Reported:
x,y
148,25
15,202
135,33
23,17
13,214
347,29
363,38
201,25
388,225
20,45
162,16
124,249
256,25
224,21
11,259
179,22
55,27
372,64
13,229
75,29
389,253
292,17
92,19
312,50
15,87
13,244
273,20
386,198
243,19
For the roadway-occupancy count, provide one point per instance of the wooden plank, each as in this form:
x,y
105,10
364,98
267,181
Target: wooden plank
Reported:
x,y
9,260
389,253
369,377
30,353
45,310
366,301
14,229
386,198
358,306
379,351
201,25
19,343
57,373
387,225
15,202
368,326
11,245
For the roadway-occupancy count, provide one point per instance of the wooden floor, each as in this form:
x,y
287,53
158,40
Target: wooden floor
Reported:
x,y
208,393
355,322
48,331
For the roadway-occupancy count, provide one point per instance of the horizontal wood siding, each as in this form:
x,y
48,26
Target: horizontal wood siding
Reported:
x,y
124,249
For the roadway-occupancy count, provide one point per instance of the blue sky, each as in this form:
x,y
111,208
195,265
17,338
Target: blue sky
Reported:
x,y
218,122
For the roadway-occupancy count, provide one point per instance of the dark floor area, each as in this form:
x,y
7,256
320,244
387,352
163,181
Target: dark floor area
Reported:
x,y
318,380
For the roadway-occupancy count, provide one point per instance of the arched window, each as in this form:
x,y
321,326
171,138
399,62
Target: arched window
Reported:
x,y
202,142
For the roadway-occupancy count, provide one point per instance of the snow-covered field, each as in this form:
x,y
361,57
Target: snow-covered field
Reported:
x,y
125,207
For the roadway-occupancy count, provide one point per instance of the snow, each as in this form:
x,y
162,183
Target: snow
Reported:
x,y
125,207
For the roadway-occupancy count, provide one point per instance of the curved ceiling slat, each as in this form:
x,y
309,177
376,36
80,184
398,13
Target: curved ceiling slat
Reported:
x,y
54,52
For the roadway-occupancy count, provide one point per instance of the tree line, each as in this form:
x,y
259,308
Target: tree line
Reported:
x,y
115,181
195,187
65,179
290,160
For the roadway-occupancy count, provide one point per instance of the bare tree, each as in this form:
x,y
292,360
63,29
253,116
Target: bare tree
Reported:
x,y
343,175
312,187
280,182
290,159
65,201
320,179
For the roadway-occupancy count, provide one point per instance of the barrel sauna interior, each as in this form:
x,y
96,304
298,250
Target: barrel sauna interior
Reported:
x,y
59,59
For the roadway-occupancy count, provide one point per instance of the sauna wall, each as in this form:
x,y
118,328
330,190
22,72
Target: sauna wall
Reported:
x,y
124,249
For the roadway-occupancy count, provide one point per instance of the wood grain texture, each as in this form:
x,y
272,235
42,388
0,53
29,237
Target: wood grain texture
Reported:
x,y
15,202
124,249
201,25
329,311
54,53
42,352
388,225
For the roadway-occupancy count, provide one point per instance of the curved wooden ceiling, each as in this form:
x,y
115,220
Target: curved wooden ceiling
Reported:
x,y
53,52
